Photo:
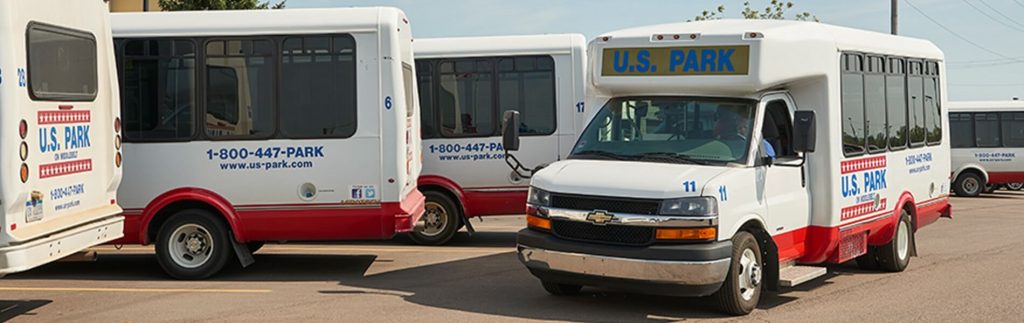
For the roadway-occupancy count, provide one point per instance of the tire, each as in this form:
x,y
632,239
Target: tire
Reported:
x,y
1015,186
441,220
869,260
193,244
895,255
989,189
561,289
968,185
254,246
742,288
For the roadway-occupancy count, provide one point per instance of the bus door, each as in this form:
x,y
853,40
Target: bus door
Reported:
x,y
785,182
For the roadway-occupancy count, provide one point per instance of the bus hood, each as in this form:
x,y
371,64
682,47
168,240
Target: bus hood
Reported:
x,y
629,179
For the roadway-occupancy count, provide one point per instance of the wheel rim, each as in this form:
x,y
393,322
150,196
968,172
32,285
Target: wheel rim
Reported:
x,y
970,185
1015,186
191,245
749,275
433,221
903,240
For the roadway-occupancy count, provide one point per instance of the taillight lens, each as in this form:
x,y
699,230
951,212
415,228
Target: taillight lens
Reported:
x,y
23,151
23,129
117,160
117,142
117,124
24,173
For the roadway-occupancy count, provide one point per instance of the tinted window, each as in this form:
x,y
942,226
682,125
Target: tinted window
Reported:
x,y
961,130
915,91
896,103
932,118
986,130
874,112
853,106
1013,129
527,84
318,87
158,89
240,88
61,64
426,85
407,87
466,98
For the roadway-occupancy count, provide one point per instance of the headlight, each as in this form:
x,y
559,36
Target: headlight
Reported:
x,y
695,206
538,197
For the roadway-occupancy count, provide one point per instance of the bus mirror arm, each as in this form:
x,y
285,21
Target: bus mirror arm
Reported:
x,y
510,142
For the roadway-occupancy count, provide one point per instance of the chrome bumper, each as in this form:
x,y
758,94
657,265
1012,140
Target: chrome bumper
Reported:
x,y
655,271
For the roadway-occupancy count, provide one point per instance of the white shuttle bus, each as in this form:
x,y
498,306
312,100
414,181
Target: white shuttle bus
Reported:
x,y
465,84
267,125
987,146
58,86
729,156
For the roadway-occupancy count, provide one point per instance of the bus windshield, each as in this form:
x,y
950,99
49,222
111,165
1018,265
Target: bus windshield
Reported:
x,y
670,130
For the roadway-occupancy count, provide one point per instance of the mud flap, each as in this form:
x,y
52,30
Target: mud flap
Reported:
x,y
469,225
243,253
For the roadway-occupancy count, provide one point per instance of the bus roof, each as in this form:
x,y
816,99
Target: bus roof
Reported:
x,y
967,106
254,22
498,45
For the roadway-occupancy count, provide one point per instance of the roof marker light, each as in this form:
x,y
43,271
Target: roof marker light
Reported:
x,y
693,36
675,36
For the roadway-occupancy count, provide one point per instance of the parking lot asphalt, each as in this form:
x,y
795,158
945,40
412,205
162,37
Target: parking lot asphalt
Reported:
x,y
968,269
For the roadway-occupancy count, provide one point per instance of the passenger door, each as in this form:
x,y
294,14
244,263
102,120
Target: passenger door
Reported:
x,y
788,201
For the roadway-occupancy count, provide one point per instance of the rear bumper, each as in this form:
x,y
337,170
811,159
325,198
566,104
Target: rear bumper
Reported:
x,y
41,251
410,211
680,270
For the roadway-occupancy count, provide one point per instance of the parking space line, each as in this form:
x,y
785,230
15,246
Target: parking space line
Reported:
x,y
133,290
350,249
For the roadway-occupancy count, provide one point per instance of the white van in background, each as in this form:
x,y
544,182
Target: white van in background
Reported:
x,y
465,84
266,125
59,107
987,140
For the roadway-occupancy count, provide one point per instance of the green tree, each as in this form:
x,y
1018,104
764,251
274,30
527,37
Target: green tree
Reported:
x,y
180,5
776,9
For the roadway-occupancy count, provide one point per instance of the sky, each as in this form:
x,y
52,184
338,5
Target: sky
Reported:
x,y
983,39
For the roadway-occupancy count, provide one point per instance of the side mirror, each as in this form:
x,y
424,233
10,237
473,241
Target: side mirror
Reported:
x,y
804,132
510,130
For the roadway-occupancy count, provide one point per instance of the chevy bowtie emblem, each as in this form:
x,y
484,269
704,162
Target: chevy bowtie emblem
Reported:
x,y
600,217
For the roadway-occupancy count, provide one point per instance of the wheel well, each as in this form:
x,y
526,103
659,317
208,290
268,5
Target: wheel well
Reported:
x,y
912,210
769,253
975,171
168,211
447,192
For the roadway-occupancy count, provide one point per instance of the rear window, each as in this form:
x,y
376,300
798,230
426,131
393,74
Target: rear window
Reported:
x,y
61,64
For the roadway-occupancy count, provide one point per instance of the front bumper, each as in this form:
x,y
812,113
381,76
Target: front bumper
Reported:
x,y
679,270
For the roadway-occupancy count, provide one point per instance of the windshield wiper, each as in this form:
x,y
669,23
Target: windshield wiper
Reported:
x,y
672,157
599,153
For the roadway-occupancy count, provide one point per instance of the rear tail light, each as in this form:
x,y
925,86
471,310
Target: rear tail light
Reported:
x,y
117,125
23,129
24,173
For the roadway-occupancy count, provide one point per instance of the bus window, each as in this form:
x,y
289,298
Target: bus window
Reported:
x,y
318,81
1013,129
932,114
158,90
986,127
962,125
915,93
61,64
527,84
874,106
896,103
466,98
240,88
853,106
425,82
407,87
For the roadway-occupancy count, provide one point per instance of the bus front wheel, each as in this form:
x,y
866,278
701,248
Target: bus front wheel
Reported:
x,y
968,185
741,290
440,221
193,244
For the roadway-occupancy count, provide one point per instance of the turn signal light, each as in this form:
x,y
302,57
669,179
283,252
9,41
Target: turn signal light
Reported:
x,y
687,234
24,173
537,222
117,160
